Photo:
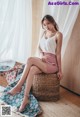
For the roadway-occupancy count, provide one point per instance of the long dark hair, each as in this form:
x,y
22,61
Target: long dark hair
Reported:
x,y
50,19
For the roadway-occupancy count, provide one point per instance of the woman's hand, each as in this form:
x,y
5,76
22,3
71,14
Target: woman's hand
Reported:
x,y
60,75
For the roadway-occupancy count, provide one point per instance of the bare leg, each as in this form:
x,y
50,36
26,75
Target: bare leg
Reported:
x,y
17,88
31,61
33,70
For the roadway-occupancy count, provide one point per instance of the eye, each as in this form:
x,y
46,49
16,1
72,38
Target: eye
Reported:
x,y
48,23
44,25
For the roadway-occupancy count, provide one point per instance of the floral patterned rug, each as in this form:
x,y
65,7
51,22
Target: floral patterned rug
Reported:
x,y
32,109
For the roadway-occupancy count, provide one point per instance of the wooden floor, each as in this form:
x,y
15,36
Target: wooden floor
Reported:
x,y
70,96
48,107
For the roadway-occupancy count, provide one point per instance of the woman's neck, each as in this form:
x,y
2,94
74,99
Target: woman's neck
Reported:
x,y
53,31
49,34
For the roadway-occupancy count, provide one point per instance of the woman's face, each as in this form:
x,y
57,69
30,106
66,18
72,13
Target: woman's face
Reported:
x,y
47,25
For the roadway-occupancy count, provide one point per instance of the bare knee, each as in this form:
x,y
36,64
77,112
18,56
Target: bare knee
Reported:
x,y
35,70
29,60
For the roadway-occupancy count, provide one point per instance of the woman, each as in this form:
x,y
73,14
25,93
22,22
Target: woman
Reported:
x,y
48,62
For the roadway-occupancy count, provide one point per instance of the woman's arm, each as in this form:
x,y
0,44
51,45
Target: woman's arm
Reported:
x,y
58,53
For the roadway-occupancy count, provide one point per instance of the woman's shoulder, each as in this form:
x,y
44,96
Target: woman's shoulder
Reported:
x,y
59,37
59,34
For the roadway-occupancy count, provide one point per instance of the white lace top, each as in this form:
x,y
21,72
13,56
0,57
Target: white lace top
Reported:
x,y
48,45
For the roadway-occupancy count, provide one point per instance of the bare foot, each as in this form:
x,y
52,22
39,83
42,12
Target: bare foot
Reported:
x,y
24,104
14,90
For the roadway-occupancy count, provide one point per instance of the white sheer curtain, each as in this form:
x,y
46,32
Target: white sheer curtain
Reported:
x,y
15,30
65,16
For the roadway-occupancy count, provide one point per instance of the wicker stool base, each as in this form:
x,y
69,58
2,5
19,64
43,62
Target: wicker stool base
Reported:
x,y
46,87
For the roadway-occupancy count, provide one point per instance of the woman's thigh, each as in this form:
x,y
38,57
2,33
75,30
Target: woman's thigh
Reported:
x,y
35,61
43,66
35,70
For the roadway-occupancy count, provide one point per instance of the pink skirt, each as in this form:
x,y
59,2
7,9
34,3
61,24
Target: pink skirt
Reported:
x,y
51,62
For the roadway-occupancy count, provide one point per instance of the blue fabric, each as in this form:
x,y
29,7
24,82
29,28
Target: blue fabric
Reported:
x,y
32,109
4,68
6,65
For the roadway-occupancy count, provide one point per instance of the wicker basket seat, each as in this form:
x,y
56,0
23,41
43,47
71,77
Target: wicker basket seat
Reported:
x,y
46,87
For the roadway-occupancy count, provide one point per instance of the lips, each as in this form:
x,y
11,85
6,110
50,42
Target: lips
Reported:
x,y
47,28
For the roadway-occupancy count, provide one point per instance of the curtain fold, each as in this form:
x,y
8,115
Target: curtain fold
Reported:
x,y
65,16
15,30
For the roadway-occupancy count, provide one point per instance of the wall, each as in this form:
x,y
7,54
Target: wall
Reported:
x,y
37,6
71,60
